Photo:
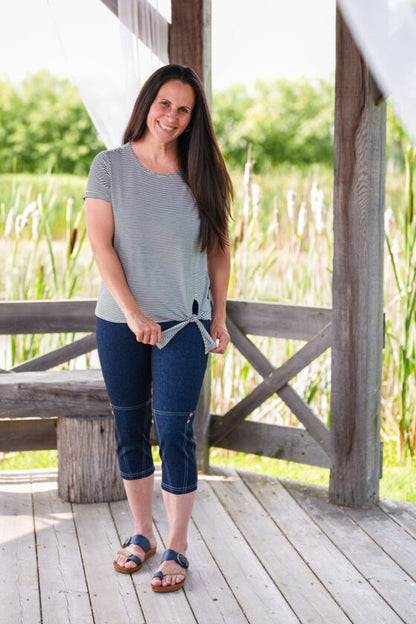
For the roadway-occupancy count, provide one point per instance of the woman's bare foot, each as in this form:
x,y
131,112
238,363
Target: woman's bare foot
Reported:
x,y
122,561
171,579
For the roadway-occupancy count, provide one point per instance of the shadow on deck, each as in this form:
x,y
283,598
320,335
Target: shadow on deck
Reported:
x,y
262,550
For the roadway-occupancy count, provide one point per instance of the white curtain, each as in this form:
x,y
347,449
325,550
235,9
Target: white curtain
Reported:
x,y
385,32
106,58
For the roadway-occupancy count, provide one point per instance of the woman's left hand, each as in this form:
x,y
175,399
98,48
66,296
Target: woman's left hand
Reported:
x,y
219,333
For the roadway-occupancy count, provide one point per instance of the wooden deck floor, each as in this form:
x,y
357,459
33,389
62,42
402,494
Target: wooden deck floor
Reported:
x,y
262,550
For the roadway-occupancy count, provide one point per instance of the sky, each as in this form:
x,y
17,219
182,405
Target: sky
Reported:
x,y
260,39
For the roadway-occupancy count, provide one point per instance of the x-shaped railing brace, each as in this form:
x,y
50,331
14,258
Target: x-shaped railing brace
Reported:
x,y
275,380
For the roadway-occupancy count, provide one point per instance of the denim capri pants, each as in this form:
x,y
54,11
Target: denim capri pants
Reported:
x,y
144,381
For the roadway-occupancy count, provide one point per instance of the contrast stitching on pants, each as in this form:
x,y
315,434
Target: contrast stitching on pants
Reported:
x,y
131,407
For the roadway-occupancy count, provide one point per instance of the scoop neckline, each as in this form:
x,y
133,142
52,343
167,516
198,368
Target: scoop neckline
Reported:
x,y
149,170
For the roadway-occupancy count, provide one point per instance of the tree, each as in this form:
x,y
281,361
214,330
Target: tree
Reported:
x,y
44,127
285,121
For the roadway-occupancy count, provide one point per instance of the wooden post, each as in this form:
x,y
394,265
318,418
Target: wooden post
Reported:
x,y
88,467
190,38
357,342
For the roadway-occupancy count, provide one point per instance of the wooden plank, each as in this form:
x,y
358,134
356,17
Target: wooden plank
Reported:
x,y
316,428
249,350
309,599
289,443
206,590
112,595
64,593
349,588
77,315
359,174
58,356
258,597
394,540
53,393
260,318
47,317
273,383
387,578
401,512
19,598
27,435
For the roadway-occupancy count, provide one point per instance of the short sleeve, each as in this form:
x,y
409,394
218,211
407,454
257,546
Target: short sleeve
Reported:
x,y
99,178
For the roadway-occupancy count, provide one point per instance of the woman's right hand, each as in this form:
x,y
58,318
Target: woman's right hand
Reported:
x,y
145,330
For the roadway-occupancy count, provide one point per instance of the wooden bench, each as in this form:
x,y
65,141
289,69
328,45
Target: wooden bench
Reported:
x,y
66,409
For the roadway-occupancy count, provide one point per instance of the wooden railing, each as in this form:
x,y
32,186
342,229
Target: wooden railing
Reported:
x,y
32,395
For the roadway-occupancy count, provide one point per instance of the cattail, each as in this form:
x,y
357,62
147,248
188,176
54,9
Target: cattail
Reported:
x,y
395,250
257,197
21,222
29,211
302,219
9,229
388,220
276,218
35,224
317,205
291,196
72,240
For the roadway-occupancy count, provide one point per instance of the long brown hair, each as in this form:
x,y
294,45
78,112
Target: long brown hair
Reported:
x,y
201,163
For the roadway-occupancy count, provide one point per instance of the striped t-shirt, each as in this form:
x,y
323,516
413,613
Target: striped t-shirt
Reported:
x,y
156,237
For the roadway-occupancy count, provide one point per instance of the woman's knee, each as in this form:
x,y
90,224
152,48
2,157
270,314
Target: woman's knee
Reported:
x,y
175,437
132,430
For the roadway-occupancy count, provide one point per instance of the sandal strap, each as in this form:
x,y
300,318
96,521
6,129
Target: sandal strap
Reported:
x,y
138,540
169,572
170,554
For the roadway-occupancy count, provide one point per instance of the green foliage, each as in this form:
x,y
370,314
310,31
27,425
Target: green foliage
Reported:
x,y
402,337
44,127
285,121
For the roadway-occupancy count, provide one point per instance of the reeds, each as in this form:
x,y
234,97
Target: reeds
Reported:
x,y
281,240
37,264
400,352
281,251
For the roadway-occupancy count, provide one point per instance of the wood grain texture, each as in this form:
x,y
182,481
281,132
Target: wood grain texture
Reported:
x,y
47,317
359,174
261,549
261,318
289,443
64,594
49,394
186,34
28,434
88,465
19,596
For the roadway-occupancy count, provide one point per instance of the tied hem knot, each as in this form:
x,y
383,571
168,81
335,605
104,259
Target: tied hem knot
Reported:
x,y
168,334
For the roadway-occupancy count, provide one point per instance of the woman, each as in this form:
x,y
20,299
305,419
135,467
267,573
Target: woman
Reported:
x,y
157,213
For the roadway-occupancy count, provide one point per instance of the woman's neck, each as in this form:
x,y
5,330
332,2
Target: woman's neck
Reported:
x,y
157,157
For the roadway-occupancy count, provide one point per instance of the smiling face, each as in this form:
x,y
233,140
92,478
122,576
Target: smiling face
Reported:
x,y
171,111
